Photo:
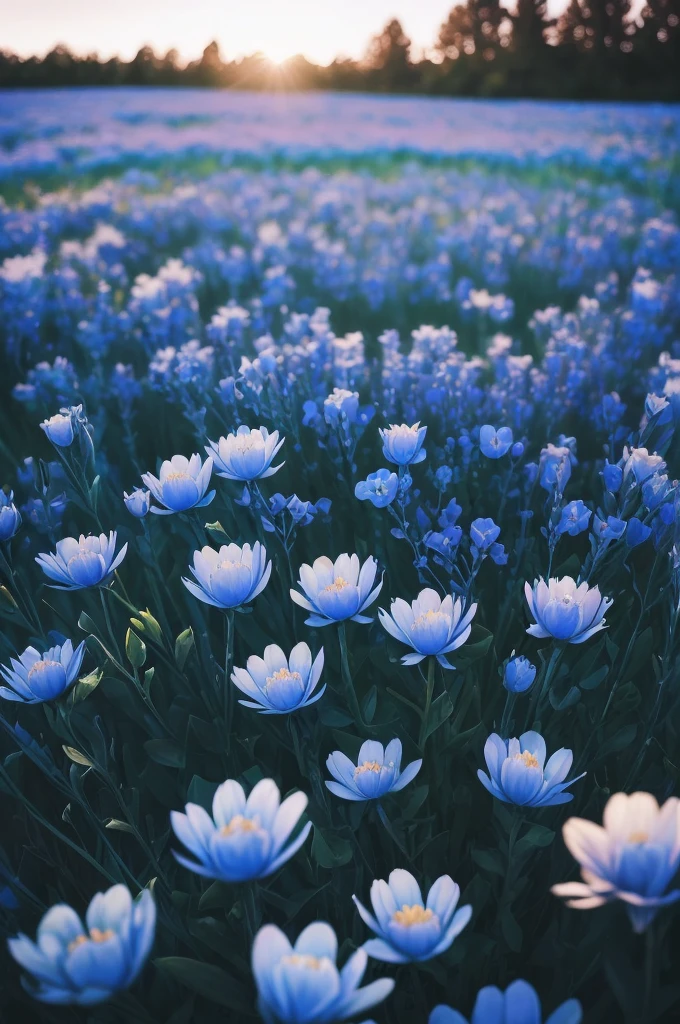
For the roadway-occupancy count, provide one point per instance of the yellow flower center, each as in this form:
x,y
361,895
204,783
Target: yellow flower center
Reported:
x,y
96,935
638,837
367,766
227,565
428,617
282,675
42,666
244,442
408,916
314,963
337,585
177,475
240,824
530,761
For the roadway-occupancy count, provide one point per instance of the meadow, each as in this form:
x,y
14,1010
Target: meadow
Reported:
x,y
339,559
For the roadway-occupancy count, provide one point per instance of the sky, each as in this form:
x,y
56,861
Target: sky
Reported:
x,y
319,29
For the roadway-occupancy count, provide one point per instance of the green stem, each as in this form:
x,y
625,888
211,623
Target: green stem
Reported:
x,y
350,693
540,692
228,661
422,737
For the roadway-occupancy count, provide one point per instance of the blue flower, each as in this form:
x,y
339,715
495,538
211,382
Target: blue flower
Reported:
x,y
337,591
377,772
495,443
403,445
636,532
519,675
380,488
277,684
574,519
86,562
72,963
10,517
430,625
555,467
247,454
230,577
61,428
612,476
518,773
609,529
642,464
519,1004
341,404
564,610
634,858
244,839
36,677
408,928
138,503
181,484
483,533
301,984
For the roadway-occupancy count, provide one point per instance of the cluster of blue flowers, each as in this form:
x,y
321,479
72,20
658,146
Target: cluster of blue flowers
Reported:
x,y
460,612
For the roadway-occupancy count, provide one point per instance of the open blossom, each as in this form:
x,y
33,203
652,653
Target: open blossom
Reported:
x,y
430,625
407,927
642,464
494,443
380,488
247,454
278,685
181,484
337,591
245,838
36,677
519,775
301,984
86,562
84,964
633,858
376,773
403,445
230,577
519,1004
564,610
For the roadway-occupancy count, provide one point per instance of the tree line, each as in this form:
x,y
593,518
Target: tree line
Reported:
x,y
597,49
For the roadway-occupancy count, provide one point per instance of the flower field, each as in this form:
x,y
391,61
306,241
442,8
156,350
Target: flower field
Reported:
x,y
339,560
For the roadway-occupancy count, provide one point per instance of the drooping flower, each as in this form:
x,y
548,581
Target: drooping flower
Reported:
x,y
403,445
138,503
181,484
36,677
72,963
86,562
337,591
430,625
380,488
519,775
376,773
230,577
494,443
408,928
519,674
633,858
278,685
245,838
564,610
301,984
10,517
247,454
519,1004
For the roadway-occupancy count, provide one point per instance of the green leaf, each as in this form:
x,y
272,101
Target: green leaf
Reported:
x,y
208,981
512,933
119,826
166,752
135,649
489,860
619,741
537,837
440,710
217,531
87,624
595,678
7,601
75,755
370,704
201,792
183,645
329,850
571,697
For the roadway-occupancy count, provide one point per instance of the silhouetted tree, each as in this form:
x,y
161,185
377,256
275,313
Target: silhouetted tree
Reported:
x,y
473,28
389,54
